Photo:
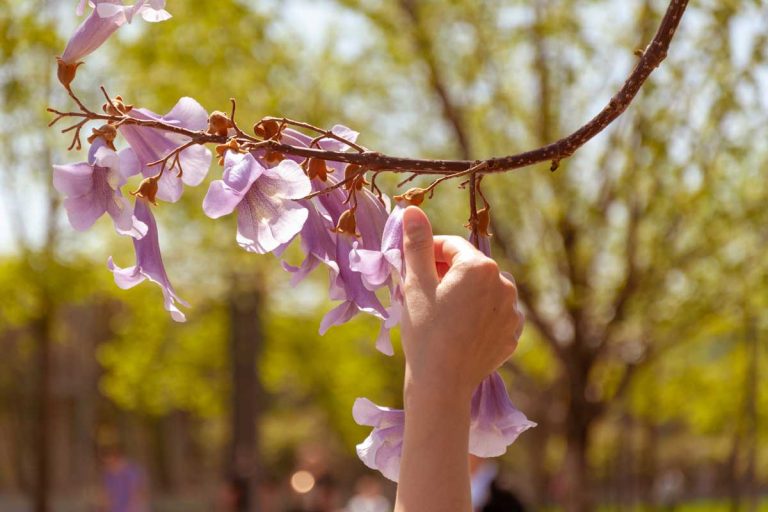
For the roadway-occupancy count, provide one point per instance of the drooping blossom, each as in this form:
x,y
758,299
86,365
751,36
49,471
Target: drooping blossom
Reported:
x,y
322,243
378,266
495,422
152,144
93,188
268,214
107,16
149,264
383,448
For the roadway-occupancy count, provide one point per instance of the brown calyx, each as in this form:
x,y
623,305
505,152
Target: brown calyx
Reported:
x,y
354,175
267,129
413,196
231,145
66,71
316,168
347,224
219,123
107,132
120,107
147,189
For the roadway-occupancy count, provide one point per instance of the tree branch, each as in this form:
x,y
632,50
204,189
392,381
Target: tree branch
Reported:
x,y
649,60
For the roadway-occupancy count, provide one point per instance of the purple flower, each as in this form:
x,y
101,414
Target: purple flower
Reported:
x,y
267,213
382,449
93,188
494,424
384,267
149,264
151,145
107,16
377,266
322,245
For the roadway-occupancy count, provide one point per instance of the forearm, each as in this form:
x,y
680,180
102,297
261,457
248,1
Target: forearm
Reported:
x,y
434,471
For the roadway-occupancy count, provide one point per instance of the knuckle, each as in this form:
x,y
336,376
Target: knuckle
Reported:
x,y
485,268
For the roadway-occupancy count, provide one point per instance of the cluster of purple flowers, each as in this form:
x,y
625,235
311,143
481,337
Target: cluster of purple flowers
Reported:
x,y
360,241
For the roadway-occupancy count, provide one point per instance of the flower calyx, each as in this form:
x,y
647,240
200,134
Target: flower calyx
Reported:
x,y
66,71
219,123
147,189
231,145
106,132
117,107
413,196
347,225
316,168
483,222
267,129
354,176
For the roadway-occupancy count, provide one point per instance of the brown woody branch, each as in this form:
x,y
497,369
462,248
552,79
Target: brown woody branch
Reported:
x,y
649,59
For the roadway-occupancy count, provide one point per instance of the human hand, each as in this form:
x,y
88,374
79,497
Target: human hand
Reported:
x,y
461,319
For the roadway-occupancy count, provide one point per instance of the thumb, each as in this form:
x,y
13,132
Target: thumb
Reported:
x,y
419,248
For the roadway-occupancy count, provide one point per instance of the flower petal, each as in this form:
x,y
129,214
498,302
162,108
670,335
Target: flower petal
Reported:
x,y
264,223
220,200
293,183
73,179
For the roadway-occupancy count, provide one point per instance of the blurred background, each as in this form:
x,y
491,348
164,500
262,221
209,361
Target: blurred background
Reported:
x,y
640,262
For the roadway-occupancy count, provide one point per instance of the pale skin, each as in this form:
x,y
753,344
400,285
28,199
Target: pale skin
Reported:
x,y
460,323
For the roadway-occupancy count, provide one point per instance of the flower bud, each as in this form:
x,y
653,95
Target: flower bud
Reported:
x,y
66,72
267,129
316,168
219,123
347,224
107,132
147,189
413,196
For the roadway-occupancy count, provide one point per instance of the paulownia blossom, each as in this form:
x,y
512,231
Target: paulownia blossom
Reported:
x,y
151,145
93,188
107,16
495,422
149,263
323,243
268,214
382,449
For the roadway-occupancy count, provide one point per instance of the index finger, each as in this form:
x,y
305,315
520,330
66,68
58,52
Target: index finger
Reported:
x,y
452,249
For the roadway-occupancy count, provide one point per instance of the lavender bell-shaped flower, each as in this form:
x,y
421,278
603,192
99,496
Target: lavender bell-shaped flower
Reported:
x,y
495,422
323,243
107,16
268,214
151,145
149,264
382,449
93,189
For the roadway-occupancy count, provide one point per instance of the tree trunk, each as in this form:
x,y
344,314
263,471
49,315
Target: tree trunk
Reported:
x,y
246,342
579,419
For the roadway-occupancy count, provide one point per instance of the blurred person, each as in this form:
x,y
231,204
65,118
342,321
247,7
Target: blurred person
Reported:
x,y
368,496
125,486
457,328
487,494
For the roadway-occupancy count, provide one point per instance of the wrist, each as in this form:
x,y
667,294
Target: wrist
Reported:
x,y
424,393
